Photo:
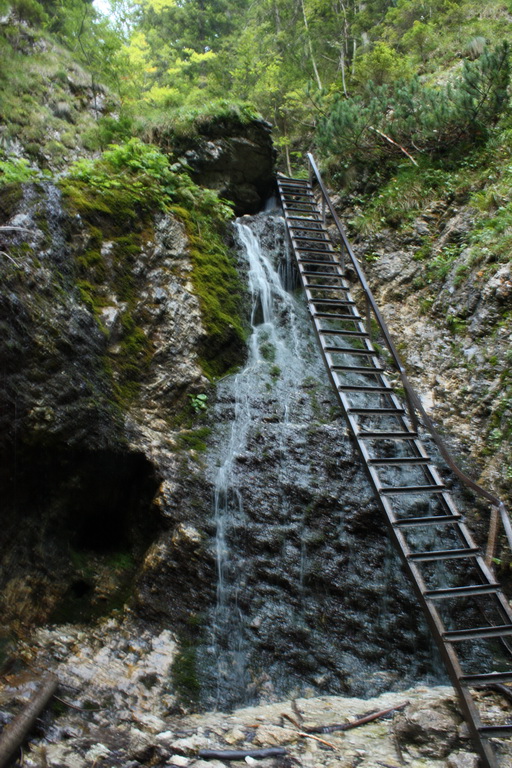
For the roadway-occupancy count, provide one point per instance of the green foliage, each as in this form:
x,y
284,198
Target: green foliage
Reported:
x,y
30,11
416,117
382,65
18,170
218,116
198,403
126,179
399,199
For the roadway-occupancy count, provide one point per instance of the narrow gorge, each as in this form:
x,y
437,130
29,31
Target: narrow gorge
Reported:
x,y
190,542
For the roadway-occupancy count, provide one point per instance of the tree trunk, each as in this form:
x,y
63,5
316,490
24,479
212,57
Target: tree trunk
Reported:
x,y
310,46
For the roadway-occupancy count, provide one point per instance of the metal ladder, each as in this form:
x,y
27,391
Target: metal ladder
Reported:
x,y
462,602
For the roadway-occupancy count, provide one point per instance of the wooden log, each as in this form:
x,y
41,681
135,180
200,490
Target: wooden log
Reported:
x,y
356,723
15,732
241,754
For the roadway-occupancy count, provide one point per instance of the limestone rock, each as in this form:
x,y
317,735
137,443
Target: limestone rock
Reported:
x,y
430,731
463,760
234,158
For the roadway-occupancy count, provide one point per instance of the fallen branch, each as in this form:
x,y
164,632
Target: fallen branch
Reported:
x,y
355,723
291,719
503,690
3,253
241,754
18,229
15,732
75,706
391,141
316,738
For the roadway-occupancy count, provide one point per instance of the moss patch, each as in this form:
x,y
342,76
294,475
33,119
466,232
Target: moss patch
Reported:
x,y
194,439
218,286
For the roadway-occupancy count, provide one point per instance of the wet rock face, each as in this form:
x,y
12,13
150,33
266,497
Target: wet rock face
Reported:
x,y
310,595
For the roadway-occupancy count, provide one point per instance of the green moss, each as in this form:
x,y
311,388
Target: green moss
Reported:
x,y
267,350
10,196
217,284
132,360
87,293
92,263
184,674
194,439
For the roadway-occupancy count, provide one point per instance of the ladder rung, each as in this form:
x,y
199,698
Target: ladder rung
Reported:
x,y
487,677
355,318
304,239
319,251
474,589
293,198
291,179
411,522
356,369
303,218
335,302
390,491
284,187
295,207
295,185
321,262
337,332
477,633
443,554
396,461
326,287
352,351
302,228
323,274
495,730
376,412
363,388
388,435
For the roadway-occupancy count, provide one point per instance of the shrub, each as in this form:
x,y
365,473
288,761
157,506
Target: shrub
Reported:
x,y
409,116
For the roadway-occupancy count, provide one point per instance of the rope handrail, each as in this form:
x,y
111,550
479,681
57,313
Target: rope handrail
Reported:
x,y
414,403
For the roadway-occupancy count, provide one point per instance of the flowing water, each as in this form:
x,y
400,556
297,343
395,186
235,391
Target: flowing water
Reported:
x,y
296,608
274,372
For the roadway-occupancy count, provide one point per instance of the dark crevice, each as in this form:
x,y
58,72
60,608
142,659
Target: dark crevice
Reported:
x,y
75,524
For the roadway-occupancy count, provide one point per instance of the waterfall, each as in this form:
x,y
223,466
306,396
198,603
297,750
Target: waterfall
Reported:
x,y
297,606
275,363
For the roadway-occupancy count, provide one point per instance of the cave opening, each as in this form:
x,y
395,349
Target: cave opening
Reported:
x,y
76,525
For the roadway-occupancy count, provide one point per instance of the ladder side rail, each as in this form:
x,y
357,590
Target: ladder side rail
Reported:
x,y
413,401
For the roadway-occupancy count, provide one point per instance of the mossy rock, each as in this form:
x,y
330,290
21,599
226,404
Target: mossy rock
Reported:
x,y
10,196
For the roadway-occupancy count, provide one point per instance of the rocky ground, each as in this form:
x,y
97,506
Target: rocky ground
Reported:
x,y
117,678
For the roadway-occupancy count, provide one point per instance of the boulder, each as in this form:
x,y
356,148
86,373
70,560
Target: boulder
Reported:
x,y
233,157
